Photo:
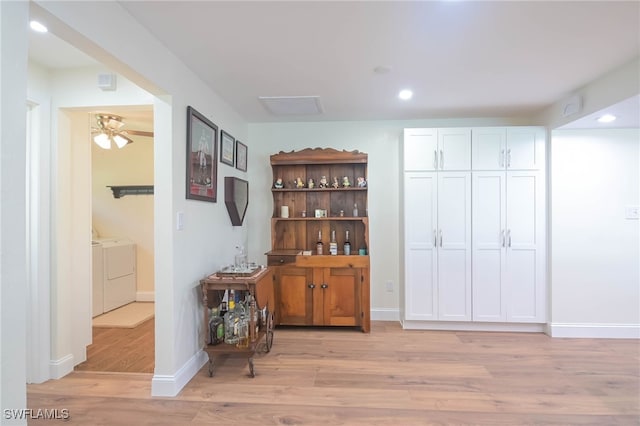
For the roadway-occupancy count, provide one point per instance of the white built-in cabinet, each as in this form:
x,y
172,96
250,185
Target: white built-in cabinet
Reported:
x,y
437,149
507,148
474,238
438,245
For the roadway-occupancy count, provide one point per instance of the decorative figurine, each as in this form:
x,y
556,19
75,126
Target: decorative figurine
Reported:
x,y
323,182
299,183
310,183
335,183
278,184
345,182
361,182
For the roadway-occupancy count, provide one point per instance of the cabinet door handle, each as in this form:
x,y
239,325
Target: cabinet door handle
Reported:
x,y
503,239
509,237
324,285
435,159
441,238
441,160
312,285
502,158
435,238
509,157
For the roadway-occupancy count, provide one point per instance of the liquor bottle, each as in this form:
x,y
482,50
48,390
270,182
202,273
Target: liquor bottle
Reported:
x,y
243,326
333,244
253,308
319,245
216,327
231,321
347,243
355,210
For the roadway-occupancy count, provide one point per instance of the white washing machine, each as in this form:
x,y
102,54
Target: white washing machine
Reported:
x,y
118,271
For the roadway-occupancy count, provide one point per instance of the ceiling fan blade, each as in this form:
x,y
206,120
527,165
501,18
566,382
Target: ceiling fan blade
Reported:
x,y
137,133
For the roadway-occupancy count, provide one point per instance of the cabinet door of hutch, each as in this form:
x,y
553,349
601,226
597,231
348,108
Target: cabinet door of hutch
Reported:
x,y
294,295
338,301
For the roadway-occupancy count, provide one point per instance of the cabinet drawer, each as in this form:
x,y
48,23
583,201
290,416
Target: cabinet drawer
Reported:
x,y
277,259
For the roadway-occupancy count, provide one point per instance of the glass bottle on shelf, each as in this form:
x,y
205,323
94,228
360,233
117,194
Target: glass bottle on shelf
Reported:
x,y
355,210
347,243
319,245
333,244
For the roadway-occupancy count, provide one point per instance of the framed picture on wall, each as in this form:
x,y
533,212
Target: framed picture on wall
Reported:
x,y
241,156
227,148
202,152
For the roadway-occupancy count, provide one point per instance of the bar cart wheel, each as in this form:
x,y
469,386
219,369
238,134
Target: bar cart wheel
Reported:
x,y
269,336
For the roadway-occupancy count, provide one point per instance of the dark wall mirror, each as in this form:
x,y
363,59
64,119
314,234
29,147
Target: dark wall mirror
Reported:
x,y
236,198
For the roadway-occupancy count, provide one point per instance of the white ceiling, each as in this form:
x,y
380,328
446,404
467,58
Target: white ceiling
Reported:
x,y
461,58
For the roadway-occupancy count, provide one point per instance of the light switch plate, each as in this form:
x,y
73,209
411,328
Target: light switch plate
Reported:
x,y
180,221
632,212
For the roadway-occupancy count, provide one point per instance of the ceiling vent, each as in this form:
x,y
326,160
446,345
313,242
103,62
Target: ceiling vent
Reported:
x,y
292,105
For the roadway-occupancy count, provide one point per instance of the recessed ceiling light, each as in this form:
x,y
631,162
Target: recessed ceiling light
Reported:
x,y
405,94
38,27
607,118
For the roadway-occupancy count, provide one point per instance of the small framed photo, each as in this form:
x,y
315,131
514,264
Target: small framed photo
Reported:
x,y
202,167
227,148
241,156
321,213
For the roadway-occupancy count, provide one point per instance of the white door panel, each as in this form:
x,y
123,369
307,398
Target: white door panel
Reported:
x,y
454,289
454,246
454,209
421,257
522,289
489,241
489,301
522,209
420,294
454,149
525,148
420,149
488,148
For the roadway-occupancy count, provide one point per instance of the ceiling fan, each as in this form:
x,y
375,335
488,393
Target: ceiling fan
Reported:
x,y
110,131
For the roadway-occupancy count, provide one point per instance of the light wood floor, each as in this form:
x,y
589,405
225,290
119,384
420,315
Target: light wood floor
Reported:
x,y
123,350
388,377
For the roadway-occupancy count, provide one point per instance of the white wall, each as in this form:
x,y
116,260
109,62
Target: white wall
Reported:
x,y
381,140
130,216
13,260
595,263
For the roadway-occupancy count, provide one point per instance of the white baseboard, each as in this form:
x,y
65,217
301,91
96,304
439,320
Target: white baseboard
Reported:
x,y
171,385
146,296
385,314
595,331
473,326
59,368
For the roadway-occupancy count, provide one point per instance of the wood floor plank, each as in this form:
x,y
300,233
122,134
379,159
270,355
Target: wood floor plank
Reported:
x,y
390,376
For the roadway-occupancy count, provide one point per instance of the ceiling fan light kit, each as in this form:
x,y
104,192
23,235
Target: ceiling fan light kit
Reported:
x,y
109,131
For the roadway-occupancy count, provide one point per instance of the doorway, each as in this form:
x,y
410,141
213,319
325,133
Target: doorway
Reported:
x,y
122,242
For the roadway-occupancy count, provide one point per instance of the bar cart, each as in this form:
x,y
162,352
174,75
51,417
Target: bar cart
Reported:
x,y
258,282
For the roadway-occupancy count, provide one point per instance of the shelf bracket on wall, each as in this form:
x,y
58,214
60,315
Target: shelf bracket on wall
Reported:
x,y
121,191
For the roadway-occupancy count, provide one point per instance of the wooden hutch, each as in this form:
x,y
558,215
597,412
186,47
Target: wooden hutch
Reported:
x,y
312,289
